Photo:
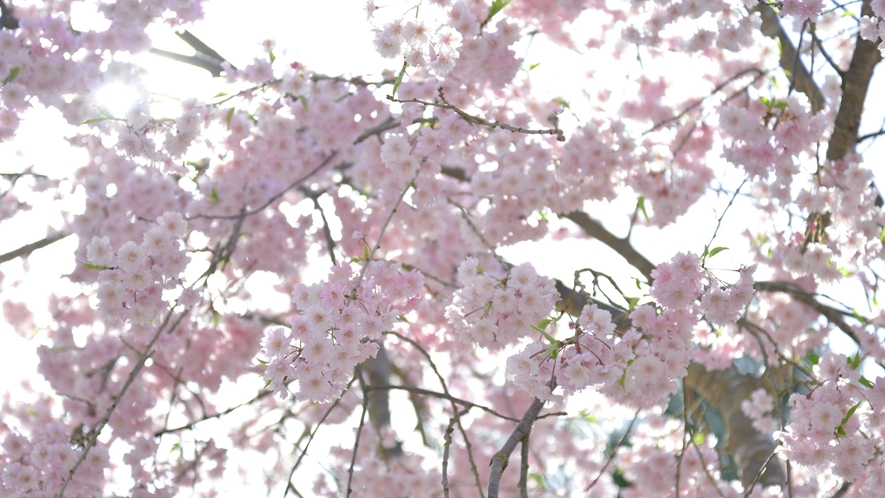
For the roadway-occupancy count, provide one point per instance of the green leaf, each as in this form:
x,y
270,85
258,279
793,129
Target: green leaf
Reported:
x,y
765,101
214,196
366,253
93,121
865,382
632,302
219,94
230,114
624,375
399,79
845,272
640,203
12,74
90,266
717,250
552,350
773,81
780,105
496,7
105,112
263,362
562,102
534,65
882,235
812,358
845,420
272,57
855,361
699,438
638,284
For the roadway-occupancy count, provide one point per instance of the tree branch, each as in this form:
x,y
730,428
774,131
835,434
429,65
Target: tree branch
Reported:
x,y
726,389
622,246
7,20
855,85
520,433
205,57
799,76
26,250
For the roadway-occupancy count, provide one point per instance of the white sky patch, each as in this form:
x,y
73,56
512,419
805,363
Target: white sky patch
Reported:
x,y
117,98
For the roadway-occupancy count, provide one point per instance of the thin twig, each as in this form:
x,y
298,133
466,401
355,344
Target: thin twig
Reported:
x,y
449,397
399,200
359,430
272,199
136,369
443,104
313,433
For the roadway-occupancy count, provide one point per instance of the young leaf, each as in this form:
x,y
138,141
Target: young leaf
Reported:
x,y
93,120
90,266
640,203
812,358
12,74
230,114
399,79
845,420
496,7
717,250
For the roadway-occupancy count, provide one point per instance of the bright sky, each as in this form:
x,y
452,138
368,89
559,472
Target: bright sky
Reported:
x,y
332,37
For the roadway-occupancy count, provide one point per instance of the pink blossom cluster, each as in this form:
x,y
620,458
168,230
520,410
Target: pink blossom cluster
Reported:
x,y
802,9
649,463
493,312
722,306
679,282
872,28
337,327
834,429
37,464
132,277
760,408
422,45
761,150
599,355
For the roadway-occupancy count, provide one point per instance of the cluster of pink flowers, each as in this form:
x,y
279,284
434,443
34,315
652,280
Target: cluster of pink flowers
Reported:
x,y
435,48
38,464
722,306
637,366
336,328
132,278
599,356
760,408
491,311
679,282
872,28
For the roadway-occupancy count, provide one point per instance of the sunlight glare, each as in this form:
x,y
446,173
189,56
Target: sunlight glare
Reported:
x,y
117,98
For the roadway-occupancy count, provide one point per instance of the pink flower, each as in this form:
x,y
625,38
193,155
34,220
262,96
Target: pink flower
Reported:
x,y
99,252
